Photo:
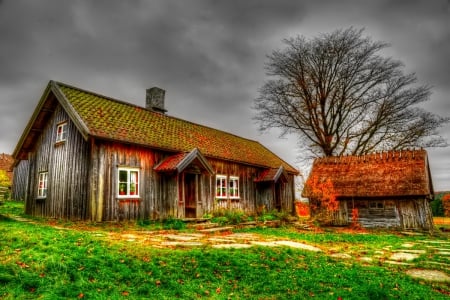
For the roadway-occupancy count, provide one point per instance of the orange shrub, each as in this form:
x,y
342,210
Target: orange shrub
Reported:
x,y
302,209
446,205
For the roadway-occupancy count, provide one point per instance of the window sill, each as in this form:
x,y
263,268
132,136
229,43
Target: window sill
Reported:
x,y
129,200
125,197
60,143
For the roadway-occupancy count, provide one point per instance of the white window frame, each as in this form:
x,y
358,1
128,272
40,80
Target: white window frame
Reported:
x,y
127,183
234,187
221,187
61,132
42,185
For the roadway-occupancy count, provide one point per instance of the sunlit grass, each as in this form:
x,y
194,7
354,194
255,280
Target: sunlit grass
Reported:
x,y
40,261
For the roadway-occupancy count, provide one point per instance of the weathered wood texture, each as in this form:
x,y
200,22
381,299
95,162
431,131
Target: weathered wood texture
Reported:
x,y
83,181
413,213
66,163
20,180
164,194
104,203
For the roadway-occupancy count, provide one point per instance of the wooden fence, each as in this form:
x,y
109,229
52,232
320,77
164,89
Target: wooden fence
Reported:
x,y
5,193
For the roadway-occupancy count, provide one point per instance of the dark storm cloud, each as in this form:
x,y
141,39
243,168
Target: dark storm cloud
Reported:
x,y
208,54
427,31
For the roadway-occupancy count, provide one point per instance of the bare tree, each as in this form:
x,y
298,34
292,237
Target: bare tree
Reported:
x,y
342,97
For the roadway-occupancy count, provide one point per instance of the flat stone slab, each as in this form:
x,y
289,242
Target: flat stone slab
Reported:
x,y
341,255
430,275
221,240
298,245
234,246
410,251
178,237
435,242
182,244
216,229
264,244
392,262
403,256
446,253
411,233
408,245
366,259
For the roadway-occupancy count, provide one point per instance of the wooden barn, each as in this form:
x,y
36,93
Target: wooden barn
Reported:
x,y
388,189
84,156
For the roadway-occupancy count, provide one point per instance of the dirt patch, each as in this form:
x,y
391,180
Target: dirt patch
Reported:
x,y
430,275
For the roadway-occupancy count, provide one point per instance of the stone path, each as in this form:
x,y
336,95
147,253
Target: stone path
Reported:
x,y
222,237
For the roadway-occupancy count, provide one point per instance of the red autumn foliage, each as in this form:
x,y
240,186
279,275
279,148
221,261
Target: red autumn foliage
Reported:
x,y
446,205
302,209
322,198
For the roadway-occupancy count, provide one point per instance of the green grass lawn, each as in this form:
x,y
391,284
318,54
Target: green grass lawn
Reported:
x,y
38,261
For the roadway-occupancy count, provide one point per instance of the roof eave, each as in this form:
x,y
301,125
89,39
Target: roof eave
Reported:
x,y
30,123
73,115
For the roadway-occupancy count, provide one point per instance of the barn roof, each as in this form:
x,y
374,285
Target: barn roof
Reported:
x,y
386,174
106,118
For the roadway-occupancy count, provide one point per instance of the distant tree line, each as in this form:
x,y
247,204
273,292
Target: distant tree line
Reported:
x,y
441,204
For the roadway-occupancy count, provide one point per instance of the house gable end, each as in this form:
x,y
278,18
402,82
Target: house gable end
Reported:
x,y
42,113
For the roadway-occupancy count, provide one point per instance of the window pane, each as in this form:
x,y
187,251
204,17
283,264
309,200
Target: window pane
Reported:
x,y
123,176
42,185
221,187
128,182
234,187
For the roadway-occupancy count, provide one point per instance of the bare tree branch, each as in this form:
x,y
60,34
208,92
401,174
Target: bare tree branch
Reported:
x,y
341,97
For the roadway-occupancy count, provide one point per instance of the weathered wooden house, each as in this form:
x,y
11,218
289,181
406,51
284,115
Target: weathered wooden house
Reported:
x,y
388,189
84,156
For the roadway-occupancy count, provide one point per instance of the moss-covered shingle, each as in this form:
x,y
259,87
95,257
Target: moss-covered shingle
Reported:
x,y
108,118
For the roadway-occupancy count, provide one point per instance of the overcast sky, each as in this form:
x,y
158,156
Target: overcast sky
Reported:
x,y
208,55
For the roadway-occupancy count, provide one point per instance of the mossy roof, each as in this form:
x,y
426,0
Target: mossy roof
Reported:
x,y
386,174
106,118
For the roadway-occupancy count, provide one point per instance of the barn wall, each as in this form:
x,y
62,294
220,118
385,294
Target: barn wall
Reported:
x,y
161,193
407,213
66,164
20,180
247,186
253,196
105,205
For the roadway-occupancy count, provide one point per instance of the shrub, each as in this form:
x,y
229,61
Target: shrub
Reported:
x,y
173,223
446,205
229,216
436,206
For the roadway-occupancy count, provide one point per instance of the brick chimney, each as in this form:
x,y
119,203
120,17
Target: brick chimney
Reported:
x,y
154,100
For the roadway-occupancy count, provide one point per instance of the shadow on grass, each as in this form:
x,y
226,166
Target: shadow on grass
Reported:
x,y
4,218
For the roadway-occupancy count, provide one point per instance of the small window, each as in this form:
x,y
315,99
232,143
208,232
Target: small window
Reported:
x,y
234,187
128,185
42,187
61,132
221,186
376,205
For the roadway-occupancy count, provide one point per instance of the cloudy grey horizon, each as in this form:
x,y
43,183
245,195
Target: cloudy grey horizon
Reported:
x,y
208,55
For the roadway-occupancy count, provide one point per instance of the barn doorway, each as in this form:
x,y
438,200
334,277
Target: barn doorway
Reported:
x,y
190,195
278,195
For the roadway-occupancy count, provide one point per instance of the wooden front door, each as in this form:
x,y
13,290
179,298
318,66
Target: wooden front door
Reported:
x,y
190,195
278,195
